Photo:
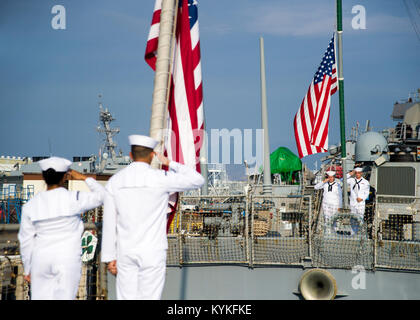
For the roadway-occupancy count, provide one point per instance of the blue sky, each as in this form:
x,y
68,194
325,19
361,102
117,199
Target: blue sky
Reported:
x,y
50,79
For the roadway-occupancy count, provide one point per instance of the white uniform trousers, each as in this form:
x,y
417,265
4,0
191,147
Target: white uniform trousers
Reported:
x,y
55,280
329,211
141,276
358,209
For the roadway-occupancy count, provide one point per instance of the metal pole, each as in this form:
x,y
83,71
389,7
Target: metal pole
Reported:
x,y
204,162
341,100
267,187
162,74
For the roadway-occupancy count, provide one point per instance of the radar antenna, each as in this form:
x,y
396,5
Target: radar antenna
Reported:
x,y
105,119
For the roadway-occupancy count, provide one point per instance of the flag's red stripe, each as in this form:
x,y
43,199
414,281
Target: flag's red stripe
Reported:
x,y
295,125
309,101
325,113
325,133
304,128
196,55
176,148
317,92
199,95
156,17
187,66
321,108
150,55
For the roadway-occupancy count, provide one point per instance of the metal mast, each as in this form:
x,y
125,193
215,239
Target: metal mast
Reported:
x,y
105,118
341,100
267,186
204,161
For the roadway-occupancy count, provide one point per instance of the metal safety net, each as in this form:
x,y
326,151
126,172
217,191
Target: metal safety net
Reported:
x,y
398,232
279,230
209,230
342,241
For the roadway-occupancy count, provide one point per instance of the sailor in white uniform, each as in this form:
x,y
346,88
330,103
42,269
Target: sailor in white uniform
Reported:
x,y
51,230
134,240
332,196
359,192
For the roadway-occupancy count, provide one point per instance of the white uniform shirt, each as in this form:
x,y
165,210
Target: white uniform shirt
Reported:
x,y
332,195
358,189
51,224
135,211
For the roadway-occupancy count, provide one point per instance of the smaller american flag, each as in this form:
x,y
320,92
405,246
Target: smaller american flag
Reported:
x,y
311,121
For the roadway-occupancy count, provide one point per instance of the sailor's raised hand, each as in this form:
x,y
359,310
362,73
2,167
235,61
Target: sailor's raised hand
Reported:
x,y
165,161
76,175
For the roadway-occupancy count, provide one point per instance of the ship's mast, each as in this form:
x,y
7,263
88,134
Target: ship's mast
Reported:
x,y
267,185
105,119
341,100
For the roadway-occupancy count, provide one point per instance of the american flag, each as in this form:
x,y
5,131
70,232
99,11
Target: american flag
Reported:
x,y
311,121
186,118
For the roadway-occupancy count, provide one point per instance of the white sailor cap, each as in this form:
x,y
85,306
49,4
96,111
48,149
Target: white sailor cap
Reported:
x,y
144,141
331,173
358,169
56,163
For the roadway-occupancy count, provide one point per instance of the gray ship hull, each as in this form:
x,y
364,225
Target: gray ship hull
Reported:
x,y
231,282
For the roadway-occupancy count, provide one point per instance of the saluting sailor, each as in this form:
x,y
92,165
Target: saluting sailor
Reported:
x,y
332,196
134,240
359,191
51,230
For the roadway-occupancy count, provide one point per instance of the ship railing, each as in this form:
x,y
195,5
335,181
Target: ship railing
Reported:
x,y
396,227
403,132
12,198
239,229
12,284
294,230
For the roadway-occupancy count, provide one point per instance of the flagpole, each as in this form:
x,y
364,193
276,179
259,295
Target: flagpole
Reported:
x,y
267,186
204,160
162,75
168,135
341,100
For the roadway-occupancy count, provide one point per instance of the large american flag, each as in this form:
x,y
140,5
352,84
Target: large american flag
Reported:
x,y
185,121
311,121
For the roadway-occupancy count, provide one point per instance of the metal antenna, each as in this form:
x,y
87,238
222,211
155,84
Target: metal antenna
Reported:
x,y
105,119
